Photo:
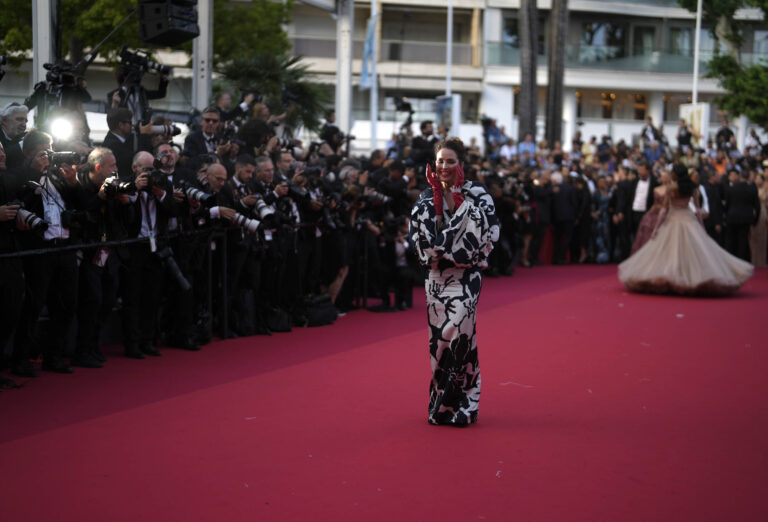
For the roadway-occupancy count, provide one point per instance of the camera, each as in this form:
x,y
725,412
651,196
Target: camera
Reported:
x,y
285,143
57,159
173,130
113,186
140,63
35,223
287,97
73,219
229,136
192,193
251,225
3,61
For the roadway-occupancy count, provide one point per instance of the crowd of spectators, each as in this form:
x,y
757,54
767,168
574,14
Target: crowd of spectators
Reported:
x,y
244,232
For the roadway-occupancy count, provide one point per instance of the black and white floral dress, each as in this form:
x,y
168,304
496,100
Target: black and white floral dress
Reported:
x,y
455,251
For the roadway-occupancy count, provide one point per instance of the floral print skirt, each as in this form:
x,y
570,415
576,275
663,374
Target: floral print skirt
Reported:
x,y
454,390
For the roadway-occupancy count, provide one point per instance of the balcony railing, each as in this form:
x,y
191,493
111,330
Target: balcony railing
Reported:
x,y
424,52
616,59
391,50
319,47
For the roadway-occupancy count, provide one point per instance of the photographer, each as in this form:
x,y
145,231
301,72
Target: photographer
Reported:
x,y
52,279
106,203
207,140
131,94
178,308
124,142
13,126
11,270
245,250
154,206
423,147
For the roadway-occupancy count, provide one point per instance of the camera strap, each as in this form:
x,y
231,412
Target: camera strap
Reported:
x,y
145,198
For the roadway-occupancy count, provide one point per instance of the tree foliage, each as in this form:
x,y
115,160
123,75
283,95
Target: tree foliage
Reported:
x,y
270,75
238,28
744,86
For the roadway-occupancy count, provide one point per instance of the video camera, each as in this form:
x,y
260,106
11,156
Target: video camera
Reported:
x,y
137,63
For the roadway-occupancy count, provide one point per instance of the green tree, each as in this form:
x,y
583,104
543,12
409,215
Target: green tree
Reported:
x,y
744,85
273,75
255,28
238,28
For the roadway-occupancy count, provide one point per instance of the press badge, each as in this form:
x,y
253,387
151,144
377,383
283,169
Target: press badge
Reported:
x,y
152,243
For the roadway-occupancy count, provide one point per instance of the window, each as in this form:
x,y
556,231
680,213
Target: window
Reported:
x,y
510,36
602,41
643,41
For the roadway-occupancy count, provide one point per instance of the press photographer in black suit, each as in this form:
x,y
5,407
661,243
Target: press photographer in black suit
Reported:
x,y
13,126
154,206
52,279
107,206
245,250
11,270
123,141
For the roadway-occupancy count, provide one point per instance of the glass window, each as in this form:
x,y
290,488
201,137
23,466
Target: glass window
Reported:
x,y
511,37
602,41
760,45
644,40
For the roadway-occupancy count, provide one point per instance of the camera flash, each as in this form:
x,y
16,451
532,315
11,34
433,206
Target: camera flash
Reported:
x,y
61,129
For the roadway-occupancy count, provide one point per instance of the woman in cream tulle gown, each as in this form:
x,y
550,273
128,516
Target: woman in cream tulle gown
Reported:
x,y
680,257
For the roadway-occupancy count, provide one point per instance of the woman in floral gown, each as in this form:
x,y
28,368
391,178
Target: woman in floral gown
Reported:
x,y
453,226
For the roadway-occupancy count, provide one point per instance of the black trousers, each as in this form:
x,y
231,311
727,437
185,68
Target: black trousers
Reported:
x,y
737,241
98,293
142,280
11,294
563,235
177,318
52,281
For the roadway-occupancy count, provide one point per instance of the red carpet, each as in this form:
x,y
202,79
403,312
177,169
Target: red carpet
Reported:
x,y
597,405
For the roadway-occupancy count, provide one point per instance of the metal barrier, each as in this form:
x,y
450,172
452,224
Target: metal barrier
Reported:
x,y
212,236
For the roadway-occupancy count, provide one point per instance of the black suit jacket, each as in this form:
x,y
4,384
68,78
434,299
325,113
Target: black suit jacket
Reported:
x,y
542,197
124,151
565,203
715,200
194,144
14,158
627,192
742,204
165,210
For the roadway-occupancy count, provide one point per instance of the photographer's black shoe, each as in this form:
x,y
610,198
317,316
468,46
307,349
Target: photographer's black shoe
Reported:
x,y
98,355
56,365
25,369
133,352
189,345
86,361
150,349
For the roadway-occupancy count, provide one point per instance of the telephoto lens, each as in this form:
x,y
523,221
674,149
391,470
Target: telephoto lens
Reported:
x,y
205,199
251,225
35,223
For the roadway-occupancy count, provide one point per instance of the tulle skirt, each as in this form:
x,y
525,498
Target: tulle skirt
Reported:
x,y
683,259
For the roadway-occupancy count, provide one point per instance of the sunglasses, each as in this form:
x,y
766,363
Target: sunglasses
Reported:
x,y
211,120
